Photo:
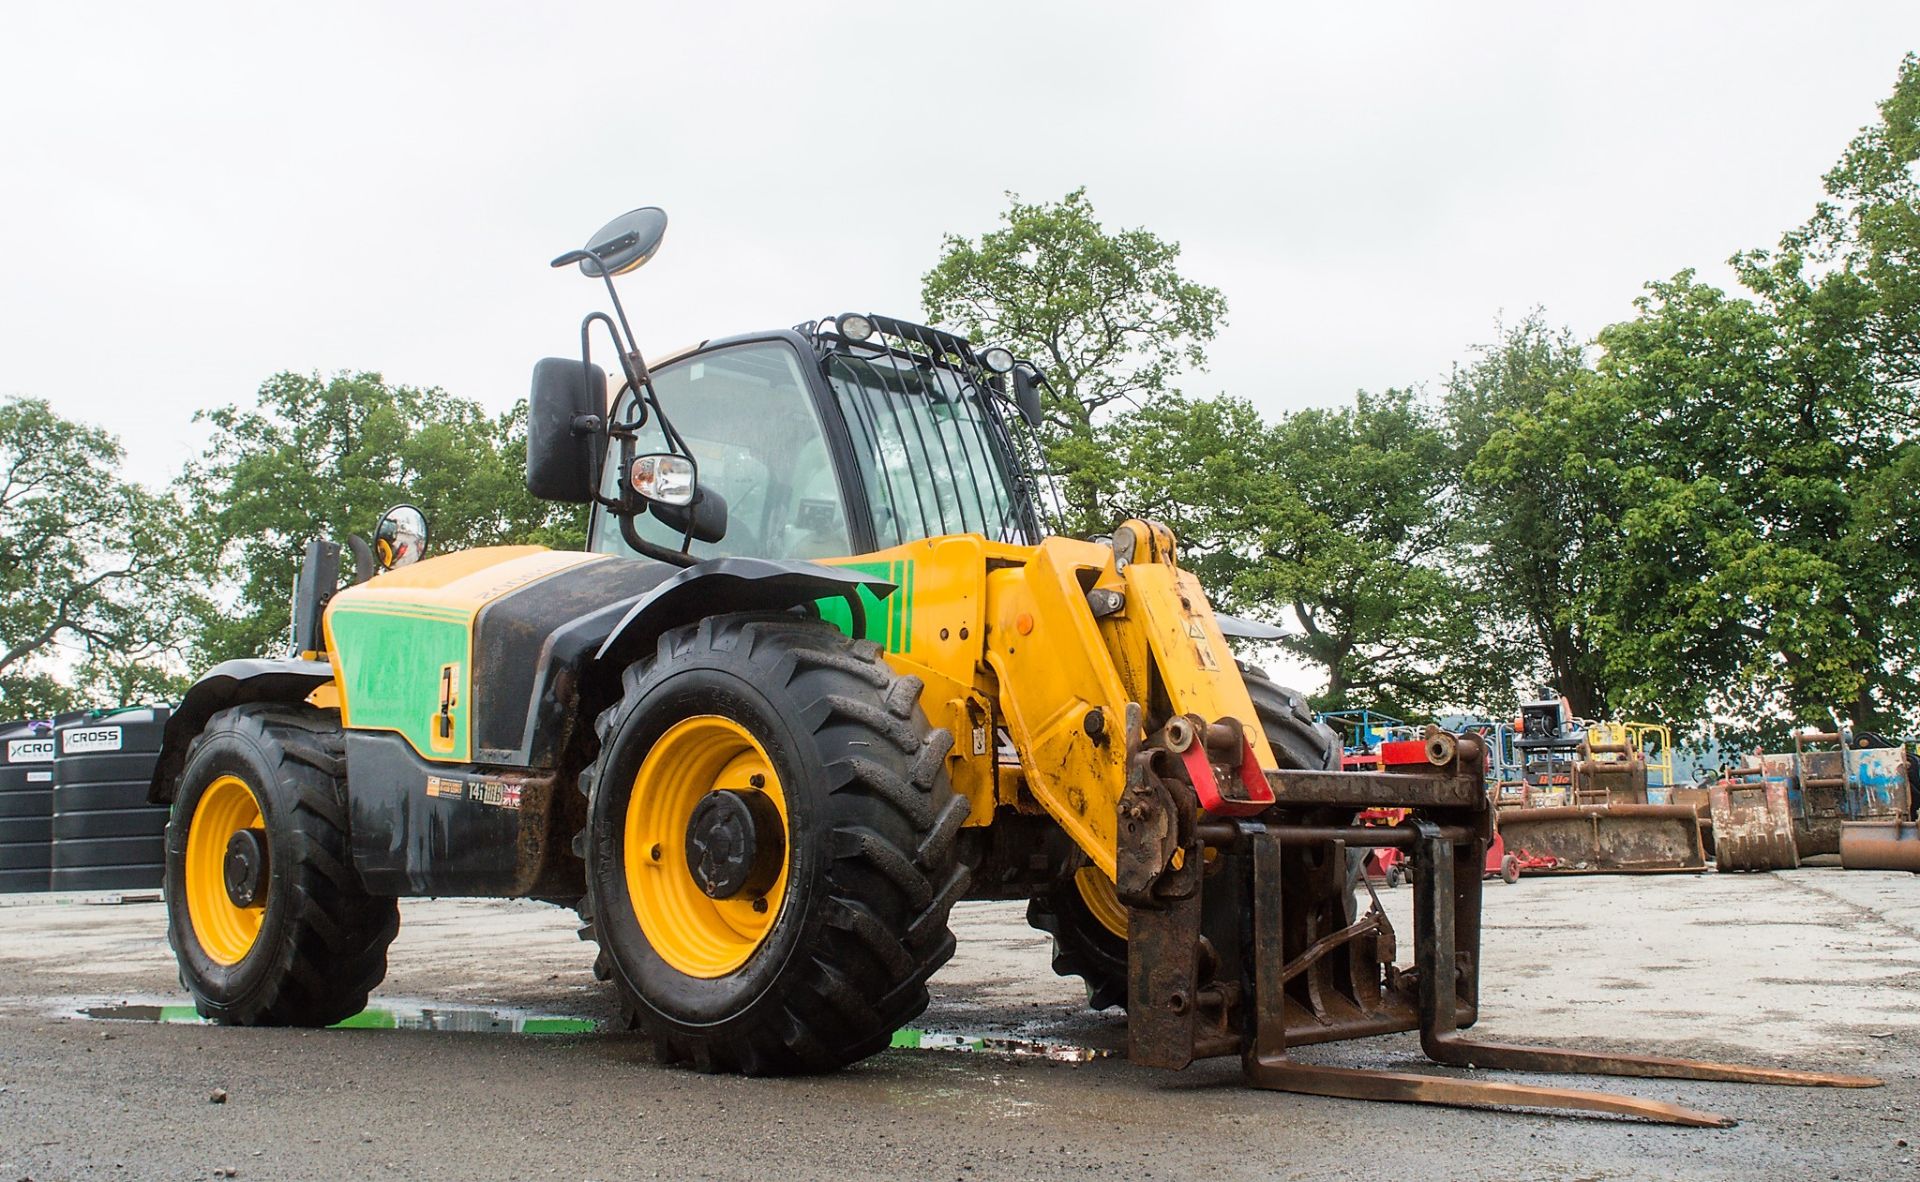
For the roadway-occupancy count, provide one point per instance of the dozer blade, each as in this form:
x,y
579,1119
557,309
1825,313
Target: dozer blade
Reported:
x,y
1608,838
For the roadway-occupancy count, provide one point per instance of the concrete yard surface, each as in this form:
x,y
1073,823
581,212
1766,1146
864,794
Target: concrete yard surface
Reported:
x,y
1815,968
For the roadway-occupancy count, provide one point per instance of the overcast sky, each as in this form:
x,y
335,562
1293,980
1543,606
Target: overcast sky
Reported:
x,y
193,197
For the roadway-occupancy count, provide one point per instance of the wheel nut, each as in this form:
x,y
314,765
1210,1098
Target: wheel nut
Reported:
x,y
656,853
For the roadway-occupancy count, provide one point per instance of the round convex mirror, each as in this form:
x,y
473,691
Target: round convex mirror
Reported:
x,y
402,537
626,242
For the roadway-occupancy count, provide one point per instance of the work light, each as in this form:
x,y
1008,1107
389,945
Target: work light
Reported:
x,y
664,478
997,359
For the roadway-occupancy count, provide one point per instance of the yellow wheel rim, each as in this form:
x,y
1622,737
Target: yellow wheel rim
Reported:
x,y
226,932
1096,891
699,936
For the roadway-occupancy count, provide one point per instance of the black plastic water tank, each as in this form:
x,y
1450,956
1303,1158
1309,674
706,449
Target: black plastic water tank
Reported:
x,y
106,837
26,805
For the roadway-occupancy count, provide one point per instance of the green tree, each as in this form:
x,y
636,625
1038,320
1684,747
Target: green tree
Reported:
x,y
323,458
1868,229
90,575
1537,489
1333,518
1106,314
1768,561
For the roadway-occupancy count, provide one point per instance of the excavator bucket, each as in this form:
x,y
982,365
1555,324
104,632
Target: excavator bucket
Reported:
x,y
1608,827
1753,819
1607,838
1885,837
1700,800
1886,844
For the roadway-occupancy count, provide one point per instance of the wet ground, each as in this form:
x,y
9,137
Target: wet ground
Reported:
x,y
478,1058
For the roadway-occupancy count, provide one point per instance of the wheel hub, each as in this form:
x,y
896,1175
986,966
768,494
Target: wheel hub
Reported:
x,y
736,843
245,867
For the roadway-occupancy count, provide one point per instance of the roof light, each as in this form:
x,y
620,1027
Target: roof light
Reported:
x,y
997,359
856,327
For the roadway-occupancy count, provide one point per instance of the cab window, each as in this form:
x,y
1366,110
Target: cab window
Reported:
x,y
749,420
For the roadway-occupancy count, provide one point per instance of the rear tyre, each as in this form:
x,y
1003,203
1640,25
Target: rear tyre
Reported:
x,y
770,847
264,911
1088,941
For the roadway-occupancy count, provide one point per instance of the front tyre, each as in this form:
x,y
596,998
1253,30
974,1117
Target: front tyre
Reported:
x,y
265,914
770,846
1079,908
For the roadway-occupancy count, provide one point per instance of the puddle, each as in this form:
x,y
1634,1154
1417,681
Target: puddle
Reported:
x,y
405,1015
389,1016
1027,1048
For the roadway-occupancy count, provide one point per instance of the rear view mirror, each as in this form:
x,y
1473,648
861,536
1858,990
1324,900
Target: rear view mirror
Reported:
x,y
707,515
564,425
623,244
401,539
1026,393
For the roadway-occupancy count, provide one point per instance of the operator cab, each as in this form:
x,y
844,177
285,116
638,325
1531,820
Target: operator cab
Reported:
x,y
823,447
840,436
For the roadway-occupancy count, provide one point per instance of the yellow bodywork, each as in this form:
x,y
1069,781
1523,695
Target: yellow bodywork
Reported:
x,y
1005,636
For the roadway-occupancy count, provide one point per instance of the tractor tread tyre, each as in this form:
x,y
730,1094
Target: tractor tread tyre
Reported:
x,y
872,827
1083,946
1299,741
322,946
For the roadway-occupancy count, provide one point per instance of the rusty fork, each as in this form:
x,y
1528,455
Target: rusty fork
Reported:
x,y
1267,1064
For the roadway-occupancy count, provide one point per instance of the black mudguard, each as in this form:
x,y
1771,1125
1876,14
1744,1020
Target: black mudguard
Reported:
x,y
535,649
230,683
737,584
545,657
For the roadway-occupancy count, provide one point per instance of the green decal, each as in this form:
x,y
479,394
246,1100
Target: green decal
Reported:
x,y
391,658
889,621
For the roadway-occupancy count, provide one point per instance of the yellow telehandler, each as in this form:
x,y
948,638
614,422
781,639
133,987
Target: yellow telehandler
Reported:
x,y
821,673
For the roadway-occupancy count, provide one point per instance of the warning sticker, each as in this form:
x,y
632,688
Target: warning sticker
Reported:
x,y
1201,646
498,793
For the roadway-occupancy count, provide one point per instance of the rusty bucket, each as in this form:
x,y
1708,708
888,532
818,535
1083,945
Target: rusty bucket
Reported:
x,y
1886,843
1752,823
1607,838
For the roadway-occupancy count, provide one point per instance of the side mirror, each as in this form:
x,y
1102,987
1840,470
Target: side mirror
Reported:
x,y
623,244
401,539
707,515
565,421
1026,393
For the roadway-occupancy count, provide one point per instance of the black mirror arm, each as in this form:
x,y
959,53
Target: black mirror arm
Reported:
x,y
640,379
640,545
364,567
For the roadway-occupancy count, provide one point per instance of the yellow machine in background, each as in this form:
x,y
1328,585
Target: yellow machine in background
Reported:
x,y
1596,798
